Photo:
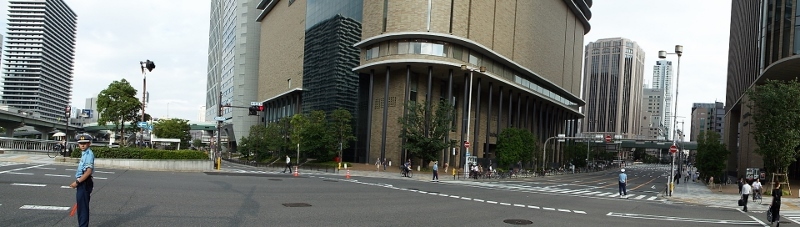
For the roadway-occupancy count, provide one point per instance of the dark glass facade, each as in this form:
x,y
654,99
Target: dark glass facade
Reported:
x,y
318,11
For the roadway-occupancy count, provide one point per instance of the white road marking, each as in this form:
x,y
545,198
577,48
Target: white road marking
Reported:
x,y
668,218
465,198
100,178
519,205
38,207
639,197
579,212
454,196
29,185
507,204
478,200
56,175
47,168
564,210
652,198
19,173
533,207
492,202
66,187
24,168
548,208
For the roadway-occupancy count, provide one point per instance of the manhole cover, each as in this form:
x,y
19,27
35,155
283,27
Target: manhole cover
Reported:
x,y
276,179
296,205
330,180
518,221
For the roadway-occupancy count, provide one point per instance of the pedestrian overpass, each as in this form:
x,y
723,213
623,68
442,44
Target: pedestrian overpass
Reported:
x,y
11,120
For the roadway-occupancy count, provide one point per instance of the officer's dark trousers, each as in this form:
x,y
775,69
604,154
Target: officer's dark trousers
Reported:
x,y
83,195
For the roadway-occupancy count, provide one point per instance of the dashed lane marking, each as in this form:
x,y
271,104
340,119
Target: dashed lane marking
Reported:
x,y
19,173
38,207
56,175
29,185
23,168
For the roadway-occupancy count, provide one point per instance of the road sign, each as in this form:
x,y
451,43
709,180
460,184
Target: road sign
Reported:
x,y
219,118
142,124
673,149
466,144
608,138
255,103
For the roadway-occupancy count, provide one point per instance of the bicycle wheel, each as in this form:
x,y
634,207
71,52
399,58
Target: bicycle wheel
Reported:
x,y
410,174
52,153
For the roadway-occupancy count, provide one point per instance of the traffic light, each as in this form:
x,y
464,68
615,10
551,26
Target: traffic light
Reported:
x,y
253,110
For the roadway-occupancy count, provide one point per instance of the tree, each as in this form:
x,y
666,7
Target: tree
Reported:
x,y
419,142
255,143
774,108
173,128
118,103
711,155
575,153
318,138
197,143
342,129
514,145
276,136
298,125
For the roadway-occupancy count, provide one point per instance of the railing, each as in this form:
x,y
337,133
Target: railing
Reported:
x,y
31,145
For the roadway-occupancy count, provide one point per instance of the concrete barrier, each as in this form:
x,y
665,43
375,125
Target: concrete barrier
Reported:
x,y
154,165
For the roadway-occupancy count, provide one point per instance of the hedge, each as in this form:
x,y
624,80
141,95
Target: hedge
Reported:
x,y
142,153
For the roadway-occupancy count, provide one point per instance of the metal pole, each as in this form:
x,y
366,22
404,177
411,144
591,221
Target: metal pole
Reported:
x,y
469,106
219,129
675,123
144,104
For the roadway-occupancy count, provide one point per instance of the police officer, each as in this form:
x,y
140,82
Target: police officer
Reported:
x,y
83,175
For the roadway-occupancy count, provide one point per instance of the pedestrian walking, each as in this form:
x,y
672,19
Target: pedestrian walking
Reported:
x,y
775,206
83,182
288,165
746,190
740,183
623,183
435,171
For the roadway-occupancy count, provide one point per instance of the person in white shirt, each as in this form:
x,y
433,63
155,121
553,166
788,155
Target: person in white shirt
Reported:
x,y
746,190
756,189
288,164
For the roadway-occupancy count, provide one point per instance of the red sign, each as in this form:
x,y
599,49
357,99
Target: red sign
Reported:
x,y
466,144
673,149
608,138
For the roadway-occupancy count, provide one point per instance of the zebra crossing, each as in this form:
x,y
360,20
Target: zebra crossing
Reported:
x,y
573,192
8,164
793,216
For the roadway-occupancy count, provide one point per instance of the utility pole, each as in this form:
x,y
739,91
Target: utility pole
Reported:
x,y
218,151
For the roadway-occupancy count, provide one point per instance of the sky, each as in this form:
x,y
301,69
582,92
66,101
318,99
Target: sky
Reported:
x,y
702,27
113,36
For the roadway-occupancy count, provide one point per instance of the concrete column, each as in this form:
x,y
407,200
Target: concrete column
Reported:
x,y
45,131
10,127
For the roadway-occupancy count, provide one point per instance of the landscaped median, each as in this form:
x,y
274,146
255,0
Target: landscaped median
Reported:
x,y
147,159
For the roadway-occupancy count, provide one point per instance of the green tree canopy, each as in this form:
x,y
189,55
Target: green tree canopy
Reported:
x,y
174,129
419,142
514,145
712,155
774,108
318,139
575,153
118,104
342,128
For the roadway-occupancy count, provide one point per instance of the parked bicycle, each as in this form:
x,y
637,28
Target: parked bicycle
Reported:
x,y
55,151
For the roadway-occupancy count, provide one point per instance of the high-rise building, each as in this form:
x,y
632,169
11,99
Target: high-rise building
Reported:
x,y
707,117
413,51
612,86
233,42
201,116
652,124
39,56
764,44
662,79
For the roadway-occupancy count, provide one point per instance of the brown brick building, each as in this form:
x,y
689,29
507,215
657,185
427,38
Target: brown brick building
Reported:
x,y
531,53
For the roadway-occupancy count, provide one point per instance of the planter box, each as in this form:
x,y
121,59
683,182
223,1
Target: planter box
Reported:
x,y
154,165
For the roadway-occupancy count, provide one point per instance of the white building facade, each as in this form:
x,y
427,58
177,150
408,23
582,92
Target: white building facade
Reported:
x,y
233,49
662,79
39,56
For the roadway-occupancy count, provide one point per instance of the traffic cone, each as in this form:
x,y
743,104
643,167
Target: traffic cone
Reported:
x,y
295,171
348,174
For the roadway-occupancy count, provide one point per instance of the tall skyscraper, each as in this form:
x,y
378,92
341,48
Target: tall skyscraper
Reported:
x,y
38,57
707,117
201,115
662,79
764,44
612,86
233,42
652,124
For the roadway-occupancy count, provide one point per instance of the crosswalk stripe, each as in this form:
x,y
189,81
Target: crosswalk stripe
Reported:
x,y
639,197
652,198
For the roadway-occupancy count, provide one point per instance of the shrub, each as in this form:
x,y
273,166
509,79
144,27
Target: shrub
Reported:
x,y
142,153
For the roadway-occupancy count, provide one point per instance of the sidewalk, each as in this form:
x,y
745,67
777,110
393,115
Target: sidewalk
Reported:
x,y
726,196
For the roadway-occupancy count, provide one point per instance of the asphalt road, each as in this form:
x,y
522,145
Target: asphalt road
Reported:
x,y
34,195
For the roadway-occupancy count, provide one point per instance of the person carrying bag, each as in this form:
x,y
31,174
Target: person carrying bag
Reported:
x,y
773,213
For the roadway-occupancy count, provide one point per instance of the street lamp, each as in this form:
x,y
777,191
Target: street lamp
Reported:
x,y
663,54
146,66
468,85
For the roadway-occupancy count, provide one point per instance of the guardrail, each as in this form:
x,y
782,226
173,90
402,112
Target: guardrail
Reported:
x,y
31,145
